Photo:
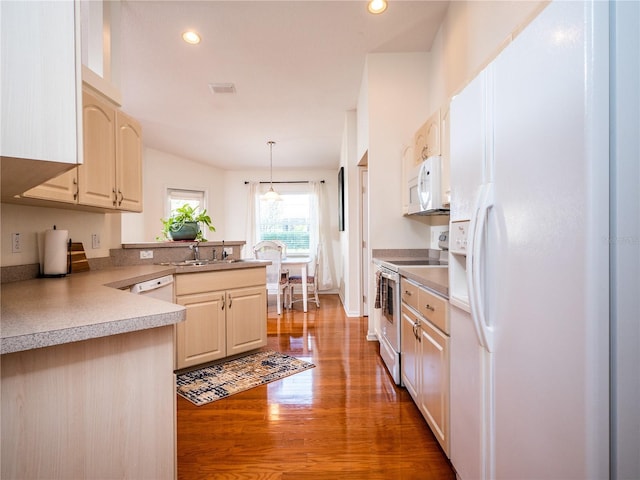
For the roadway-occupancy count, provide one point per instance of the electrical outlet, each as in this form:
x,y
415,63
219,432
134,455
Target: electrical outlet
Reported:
x,y
16,243
95,240
146,254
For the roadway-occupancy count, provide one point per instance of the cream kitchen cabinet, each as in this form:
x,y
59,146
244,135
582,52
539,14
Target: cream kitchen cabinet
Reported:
x,y
226,314
111,176
446,156
427,139
425,356
40,85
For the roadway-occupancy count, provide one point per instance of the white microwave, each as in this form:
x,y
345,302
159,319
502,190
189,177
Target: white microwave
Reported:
x,y
425,184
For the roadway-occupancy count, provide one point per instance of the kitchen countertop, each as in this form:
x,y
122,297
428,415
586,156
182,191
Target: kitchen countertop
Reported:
x,y
435,278
51,311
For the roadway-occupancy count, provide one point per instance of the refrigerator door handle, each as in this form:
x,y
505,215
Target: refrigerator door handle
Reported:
x,y
484,201
483,327
470,263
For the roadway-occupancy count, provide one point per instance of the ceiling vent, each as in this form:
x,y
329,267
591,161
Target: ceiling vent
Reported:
x,y
222,88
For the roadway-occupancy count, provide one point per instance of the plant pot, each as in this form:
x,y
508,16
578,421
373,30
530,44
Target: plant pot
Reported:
x,y
188,231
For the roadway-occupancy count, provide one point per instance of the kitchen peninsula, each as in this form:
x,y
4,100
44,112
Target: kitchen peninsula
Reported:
x,y
87,377
88,384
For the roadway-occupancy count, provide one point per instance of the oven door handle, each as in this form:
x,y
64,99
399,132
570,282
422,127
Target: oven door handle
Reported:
x,y
390,276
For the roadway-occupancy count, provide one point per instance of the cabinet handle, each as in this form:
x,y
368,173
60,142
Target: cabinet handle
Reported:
x,y
429,307
121,197
115,197
407,293
222,301
76,193
416,326
230,301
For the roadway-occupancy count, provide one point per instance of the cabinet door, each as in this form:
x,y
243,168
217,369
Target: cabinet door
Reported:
x,y
201,337
409,352
432,135
420,144
246,319
445,187
63,188
434,382
40,81
128,163
96,176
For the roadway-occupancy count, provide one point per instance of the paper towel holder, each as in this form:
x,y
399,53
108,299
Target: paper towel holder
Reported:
x,y
65,270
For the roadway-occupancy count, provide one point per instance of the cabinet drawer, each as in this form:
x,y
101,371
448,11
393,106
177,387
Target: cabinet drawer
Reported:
x,y
434,309
220,280
410,294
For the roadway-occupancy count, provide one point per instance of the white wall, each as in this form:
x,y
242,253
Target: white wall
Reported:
x,y
161,171
31,222
471,35
397,104
350,239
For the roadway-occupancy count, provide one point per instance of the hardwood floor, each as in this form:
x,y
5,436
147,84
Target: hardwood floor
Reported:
x,y
344,419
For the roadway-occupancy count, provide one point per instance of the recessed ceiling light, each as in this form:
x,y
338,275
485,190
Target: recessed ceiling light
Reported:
x,y
191,37
377,6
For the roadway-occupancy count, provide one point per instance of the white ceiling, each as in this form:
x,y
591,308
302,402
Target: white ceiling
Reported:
x,y
296,65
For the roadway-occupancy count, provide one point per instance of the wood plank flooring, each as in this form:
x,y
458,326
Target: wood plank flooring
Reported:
x,y
344,419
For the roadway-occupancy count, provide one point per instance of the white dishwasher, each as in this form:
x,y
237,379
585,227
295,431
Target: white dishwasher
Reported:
x,y
160,288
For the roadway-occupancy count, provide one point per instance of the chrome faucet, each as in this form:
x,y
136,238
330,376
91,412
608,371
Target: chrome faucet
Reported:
x,y
196,251
224,252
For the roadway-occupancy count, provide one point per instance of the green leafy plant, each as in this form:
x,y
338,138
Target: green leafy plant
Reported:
x,y
182,215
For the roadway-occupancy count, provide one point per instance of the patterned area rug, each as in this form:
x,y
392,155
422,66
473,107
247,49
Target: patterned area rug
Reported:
x,y
214,382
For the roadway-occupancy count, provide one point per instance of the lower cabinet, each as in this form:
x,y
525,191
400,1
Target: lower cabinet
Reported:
x,y
425,358
226,314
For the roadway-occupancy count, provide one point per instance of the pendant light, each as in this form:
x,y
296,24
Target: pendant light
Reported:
x,y
271,194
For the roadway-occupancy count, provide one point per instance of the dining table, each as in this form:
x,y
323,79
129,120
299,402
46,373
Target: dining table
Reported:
x,y
291,263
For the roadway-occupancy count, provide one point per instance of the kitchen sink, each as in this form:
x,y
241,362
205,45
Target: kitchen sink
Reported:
x,y
201,263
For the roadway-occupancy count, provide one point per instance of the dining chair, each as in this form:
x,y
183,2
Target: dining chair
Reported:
x,y
277,277
312,283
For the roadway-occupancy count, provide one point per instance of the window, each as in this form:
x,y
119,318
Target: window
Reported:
x,y
177,198
287,220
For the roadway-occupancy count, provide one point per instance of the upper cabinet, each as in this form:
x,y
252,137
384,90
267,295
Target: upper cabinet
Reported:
x,y
111,176
427,139
40,87
128,163
431,139
446,157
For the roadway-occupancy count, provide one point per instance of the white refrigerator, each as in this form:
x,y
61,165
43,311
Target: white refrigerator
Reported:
x,y
529,288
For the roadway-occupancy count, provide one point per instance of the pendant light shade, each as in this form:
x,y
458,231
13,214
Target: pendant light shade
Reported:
x,y
271,194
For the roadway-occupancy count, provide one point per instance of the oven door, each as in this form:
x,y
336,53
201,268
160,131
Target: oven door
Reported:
x,y
390,324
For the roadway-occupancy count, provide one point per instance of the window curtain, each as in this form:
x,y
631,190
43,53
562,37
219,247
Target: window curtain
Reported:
x,y
325,276
252,218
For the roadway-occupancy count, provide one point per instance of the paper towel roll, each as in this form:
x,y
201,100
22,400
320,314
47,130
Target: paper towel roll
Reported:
x,y
55,252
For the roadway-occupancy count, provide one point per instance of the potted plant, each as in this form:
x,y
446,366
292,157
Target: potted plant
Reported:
x,y
184,224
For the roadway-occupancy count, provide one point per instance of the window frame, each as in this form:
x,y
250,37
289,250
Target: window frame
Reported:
x,y
196,194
